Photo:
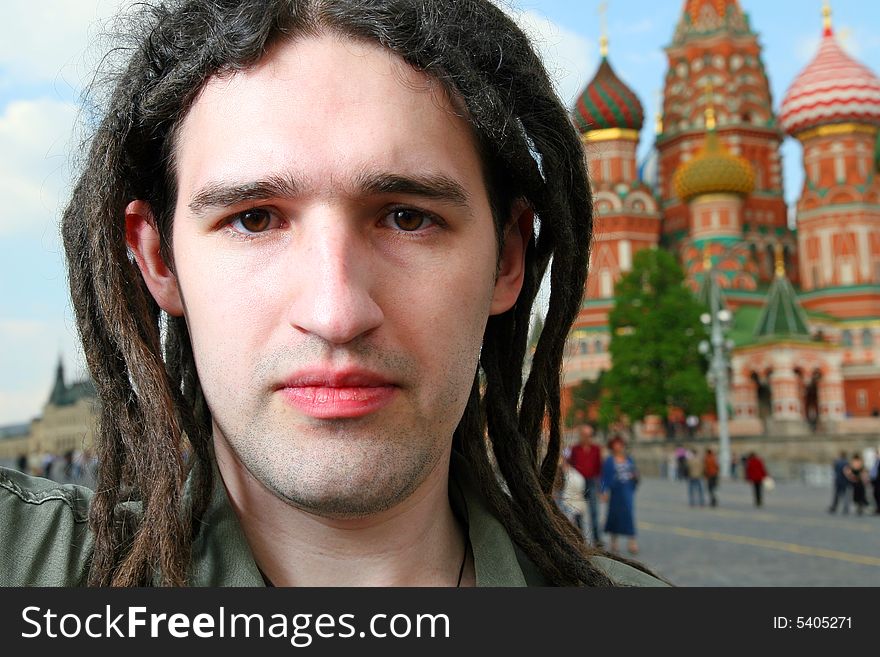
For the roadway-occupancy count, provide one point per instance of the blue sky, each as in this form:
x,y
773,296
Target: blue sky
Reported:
x,y
48,50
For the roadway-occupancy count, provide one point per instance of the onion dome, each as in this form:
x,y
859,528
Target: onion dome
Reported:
x,y
714,170
833,88
606,102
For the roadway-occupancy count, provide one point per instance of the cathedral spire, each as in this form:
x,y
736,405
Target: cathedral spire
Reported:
x,y
710,108
58,388
826,19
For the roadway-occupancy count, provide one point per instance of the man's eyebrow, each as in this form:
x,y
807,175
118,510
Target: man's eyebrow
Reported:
x,y
222,195
432,186
437,187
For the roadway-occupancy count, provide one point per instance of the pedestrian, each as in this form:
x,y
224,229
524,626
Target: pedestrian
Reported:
x,y
586,458
857,474
875,481
841,484
619,481
695,479
756,473
568,492
710,471
681,463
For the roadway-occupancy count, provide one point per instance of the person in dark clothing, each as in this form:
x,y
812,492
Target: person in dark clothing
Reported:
x,y
875,481
710,471
841,484
756,473
857,475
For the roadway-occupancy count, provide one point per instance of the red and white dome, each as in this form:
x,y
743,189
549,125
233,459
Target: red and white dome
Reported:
x,y
833,88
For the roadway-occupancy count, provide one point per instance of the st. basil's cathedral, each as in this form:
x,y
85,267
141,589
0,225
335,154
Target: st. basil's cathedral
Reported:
x,y
805,300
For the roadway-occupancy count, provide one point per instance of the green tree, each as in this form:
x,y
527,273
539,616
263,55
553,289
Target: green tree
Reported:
x,y
582,395
655,333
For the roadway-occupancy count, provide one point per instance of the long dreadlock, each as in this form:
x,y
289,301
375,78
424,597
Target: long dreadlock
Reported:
x,y
152,408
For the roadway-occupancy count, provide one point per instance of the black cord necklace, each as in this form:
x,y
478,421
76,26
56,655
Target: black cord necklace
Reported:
x,y
467,546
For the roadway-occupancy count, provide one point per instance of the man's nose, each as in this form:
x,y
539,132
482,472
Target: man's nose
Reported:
x,y
334,299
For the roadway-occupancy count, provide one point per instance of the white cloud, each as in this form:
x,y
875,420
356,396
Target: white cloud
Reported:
x,y
48,40
569,57
35,138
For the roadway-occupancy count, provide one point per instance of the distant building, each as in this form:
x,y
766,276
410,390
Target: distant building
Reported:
x,y
66,424
805,301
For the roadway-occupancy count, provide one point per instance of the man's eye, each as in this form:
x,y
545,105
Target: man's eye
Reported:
x,y
256,220
409,220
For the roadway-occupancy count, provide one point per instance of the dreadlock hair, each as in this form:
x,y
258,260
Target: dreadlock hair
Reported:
x,y
154,428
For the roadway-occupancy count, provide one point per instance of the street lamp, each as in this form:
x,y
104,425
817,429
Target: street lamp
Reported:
x,y
717,350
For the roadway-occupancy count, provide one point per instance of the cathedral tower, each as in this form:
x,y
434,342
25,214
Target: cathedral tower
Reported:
x,y
609,117
715,61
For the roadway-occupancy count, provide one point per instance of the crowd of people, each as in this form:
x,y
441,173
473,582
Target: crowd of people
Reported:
x,y
72,467
586,478
703,469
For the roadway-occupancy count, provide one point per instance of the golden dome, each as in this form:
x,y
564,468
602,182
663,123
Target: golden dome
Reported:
x,y
714,170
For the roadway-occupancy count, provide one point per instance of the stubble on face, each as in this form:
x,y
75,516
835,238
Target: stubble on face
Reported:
x,y
344,468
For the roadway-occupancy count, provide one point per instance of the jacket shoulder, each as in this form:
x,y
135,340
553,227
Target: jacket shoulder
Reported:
x,y
623,574
45,539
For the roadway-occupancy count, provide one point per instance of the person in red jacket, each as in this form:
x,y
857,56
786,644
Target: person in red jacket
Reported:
x,y
756,473
586,458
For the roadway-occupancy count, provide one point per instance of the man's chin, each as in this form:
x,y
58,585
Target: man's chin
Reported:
x,y
346,503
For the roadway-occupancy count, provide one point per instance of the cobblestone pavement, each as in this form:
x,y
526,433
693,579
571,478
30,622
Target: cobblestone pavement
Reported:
x,y
791,541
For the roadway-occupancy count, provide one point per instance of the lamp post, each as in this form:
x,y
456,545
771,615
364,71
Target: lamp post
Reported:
x,y
717,349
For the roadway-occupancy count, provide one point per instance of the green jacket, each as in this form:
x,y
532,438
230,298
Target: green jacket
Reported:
x,y
45,540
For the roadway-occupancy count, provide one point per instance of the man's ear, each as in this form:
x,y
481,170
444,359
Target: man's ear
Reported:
x,y
512,265
142,238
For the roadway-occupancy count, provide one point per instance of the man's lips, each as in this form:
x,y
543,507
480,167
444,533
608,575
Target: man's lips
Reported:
x,y
337,394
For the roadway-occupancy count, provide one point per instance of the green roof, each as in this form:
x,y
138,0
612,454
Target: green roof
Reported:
x,y
67,395
743,330
782,315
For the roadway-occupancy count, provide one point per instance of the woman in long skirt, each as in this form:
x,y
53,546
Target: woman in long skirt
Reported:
x,y
619,480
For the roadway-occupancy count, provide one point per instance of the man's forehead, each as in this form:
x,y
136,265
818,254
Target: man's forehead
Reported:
x,y
324,97
307,59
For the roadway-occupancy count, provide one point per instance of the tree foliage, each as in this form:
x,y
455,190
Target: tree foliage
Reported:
x,y
655,333
583,395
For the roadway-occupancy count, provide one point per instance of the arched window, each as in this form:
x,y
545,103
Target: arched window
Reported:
x,y
846,338
867,338
597,346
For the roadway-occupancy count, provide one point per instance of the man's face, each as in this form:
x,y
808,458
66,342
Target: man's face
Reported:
x,y
586,435
336,262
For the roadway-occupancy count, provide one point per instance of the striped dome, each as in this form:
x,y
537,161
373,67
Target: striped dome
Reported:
x,y
714,170
833,88
607,102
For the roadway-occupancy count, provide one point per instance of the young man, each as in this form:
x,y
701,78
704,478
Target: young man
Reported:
x,y
304,242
